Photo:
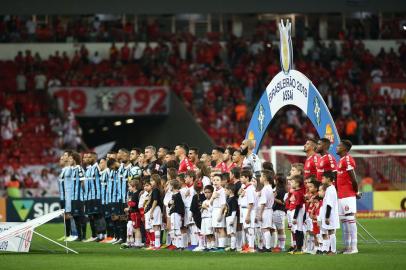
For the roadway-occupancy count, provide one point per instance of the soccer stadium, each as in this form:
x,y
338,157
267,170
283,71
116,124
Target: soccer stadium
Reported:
x,y
203,135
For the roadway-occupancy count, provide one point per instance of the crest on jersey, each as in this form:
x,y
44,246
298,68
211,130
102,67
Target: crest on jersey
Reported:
x,y
285,46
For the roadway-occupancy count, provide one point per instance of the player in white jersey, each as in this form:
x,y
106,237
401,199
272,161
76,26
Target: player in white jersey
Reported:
x,y
247,212
328,216
266,202
251,160
207,215
190,178
219,201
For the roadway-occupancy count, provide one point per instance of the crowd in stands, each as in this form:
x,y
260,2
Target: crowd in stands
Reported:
x,y
108,28
218,84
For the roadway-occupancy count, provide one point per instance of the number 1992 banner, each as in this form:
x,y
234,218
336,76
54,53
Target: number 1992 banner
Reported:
x,y
112,101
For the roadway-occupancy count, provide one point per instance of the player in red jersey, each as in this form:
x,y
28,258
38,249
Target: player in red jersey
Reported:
x,y
326,162
193,155
347,189
185,164
227,159
310,166
217,156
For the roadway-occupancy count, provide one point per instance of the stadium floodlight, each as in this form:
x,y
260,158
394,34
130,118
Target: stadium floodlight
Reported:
x,y
91,130
117,123
129,121
105,128
404,27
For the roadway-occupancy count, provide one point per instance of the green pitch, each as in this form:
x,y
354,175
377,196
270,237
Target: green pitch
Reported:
x,y
391,254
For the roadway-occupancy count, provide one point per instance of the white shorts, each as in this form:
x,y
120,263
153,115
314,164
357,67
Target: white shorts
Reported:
x,y
188,217
278,219
231,224
215,223
267,218
299,220
176,221
243,215
207,226
156,218
347,206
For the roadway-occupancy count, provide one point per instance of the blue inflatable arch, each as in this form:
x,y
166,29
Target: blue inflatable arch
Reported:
x,y
296,89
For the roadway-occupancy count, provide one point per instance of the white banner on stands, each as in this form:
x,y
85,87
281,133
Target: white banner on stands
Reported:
x,y
113,101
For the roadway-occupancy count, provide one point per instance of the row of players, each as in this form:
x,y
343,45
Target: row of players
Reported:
x,y
241,205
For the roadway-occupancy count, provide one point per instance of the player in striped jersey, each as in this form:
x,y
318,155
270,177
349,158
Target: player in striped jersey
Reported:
x,y
65,192
111,196
93,205
77,194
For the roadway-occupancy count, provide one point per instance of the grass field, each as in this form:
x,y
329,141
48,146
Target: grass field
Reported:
x,y
391,254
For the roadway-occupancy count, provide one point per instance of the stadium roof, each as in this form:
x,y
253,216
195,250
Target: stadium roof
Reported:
x,y
70,7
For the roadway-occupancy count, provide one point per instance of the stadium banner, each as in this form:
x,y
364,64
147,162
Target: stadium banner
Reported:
x,y
20,243
291,87
397,91
381,214
20,210
389,200
3,214
112,101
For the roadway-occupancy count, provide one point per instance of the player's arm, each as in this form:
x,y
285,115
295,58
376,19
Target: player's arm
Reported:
x,y
296,214
354,182
328,213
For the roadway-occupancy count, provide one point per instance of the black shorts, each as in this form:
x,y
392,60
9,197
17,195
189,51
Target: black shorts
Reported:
x,y
114,208
93,207
77,208
62,203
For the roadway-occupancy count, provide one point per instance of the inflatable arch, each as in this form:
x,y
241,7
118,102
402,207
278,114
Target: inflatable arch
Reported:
x,y
291,87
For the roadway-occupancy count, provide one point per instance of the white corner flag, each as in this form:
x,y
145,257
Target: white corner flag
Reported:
x,y
29,226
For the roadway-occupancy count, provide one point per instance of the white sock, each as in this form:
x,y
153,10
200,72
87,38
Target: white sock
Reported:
x,y
352,226
194,239
201,240
239,239
180,241
274,239
157,238
310,243
267,239
251,238
259,237
292,242
233,241
222,242
168,238
333,243
281,240
184,240
326,244
213,244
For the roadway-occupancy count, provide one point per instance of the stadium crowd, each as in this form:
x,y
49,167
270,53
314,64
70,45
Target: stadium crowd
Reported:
x,y
108,28
218,83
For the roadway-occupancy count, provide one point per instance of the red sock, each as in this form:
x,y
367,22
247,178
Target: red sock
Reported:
x,y
152,238
147,239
